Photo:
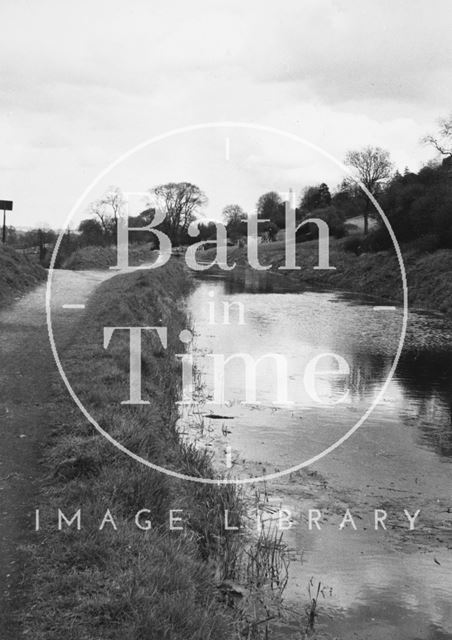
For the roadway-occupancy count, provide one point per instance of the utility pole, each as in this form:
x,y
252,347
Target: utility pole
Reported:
x,y
6,205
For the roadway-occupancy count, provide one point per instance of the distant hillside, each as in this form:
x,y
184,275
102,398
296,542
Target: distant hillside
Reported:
x,y
17,273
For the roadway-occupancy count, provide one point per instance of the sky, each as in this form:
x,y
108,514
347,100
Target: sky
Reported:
x,y
83,82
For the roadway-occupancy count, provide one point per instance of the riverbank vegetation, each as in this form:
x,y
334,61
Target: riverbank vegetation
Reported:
x,y
104,576
377,275
125,582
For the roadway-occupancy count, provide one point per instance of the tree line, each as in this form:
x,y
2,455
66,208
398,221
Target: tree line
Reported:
x,y
417,204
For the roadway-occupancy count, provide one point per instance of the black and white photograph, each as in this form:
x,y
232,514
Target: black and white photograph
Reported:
x,y
226,320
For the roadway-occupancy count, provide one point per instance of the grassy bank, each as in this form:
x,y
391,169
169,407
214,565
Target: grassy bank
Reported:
x,y
17,273
124,582
105,257
429,275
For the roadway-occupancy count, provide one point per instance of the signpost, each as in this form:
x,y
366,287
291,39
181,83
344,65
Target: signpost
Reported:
x,y
6,205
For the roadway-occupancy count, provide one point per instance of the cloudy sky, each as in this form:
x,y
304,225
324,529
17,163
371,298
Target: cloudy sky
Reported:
x,y
83,82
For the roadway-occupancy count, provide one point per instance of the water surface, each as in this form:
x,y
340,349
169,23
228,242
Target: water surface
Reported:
x,y
393,583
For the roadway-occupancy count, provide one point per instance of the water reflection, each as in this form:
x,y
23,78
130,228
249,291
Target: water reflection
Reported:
x,y
302,325
400,458
426,378
422,388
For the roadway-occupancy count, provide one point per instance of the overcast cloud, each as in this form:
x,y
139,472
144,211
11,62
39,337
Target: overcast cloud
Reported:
x,y
83,82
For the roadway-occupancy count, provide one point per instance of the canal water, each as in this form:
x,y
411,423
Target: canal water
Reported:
x,y
392,583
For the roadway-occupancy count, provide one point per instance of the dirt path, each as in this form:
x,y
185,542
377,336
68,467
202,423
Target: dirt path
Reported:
x,y
27,370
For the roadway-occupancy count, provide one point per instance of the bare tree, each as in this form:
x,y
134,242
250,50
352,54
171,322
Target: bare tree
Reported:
x,y
233,214
108,209
180,201
443,141
374,168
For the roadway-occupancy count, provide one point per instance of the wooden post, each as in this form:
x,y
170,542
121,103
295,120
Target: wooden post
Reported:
x,y
6,205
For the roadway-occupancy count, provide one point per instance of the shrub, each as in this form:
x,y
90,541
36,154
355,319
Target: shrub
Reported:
x,y
18,273
377,240
354,244
427,244
331,216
